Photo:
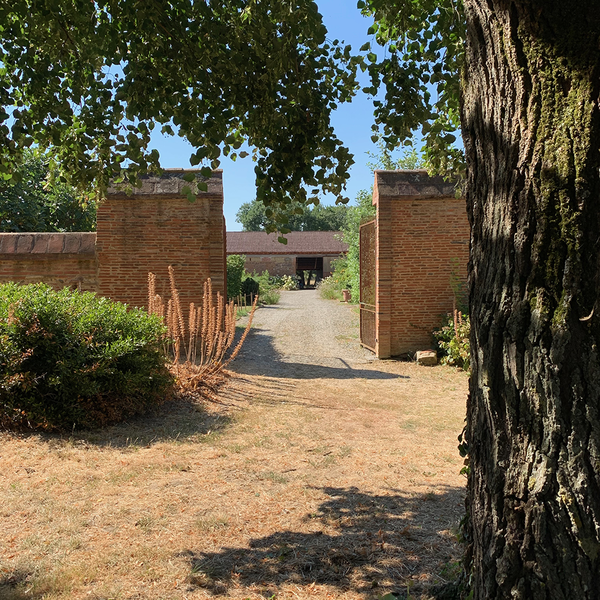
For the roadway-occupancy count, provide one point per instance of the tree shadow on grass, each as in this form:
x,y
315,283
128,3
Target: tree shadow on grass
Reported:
x,y
11,585
177,420
369,543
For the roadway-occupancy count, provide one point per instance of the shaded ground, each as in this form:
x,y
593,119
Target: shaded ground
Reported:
x,y
324,475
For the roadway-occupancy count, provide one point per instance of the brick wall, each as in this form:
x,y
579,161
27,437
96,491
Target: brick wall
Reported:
x,y
58,259
276,265
156,226
147,230
422,238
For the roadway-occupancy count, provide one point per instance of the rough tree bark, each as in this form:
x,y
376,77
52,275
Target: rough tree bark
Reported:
x,y
531,125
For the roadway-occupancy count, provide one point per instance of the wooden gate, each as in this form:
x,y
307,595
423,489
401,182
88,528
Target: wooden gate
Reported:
x,y
367,285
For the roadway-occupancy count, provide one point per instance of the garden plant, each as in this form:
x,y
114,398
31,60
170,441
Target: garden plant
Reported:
x,y
74,360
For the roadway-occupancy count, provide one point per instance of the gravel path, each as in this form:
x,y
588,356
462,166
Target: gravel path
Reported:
x,y
302,337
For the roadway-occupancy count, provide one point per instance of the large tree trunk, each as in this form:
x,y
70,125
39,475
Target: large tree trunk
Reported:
x,y
531,124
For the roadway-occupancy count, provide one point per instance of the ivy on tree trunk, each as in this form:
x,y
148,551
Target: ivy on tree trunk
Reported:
x,y
531,127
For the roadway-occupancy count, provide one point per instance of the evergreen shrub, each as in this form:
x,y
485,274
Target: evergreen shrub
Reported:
x,y
250,287
74,360
235,274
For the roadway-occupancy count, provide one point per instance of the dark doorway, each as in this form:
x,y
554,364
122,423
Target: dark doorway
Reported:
x,y
309,270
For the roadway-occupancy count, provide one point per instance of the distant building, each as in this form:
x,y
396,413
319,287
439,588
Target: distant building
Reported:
x,y
304,251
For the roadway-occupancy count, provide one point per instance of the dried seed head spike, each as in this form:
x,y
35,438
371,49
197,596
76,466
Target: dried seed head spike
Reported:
x,y
177,350
168,319
211,330
219,310
210,338
176,303
151,293
205,310
159,307
455,321
191,329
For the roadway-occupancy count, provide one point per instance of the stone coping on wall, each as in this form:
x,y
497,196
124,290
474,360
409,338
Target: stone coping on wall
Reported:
x,y
46,245
411,184
170,183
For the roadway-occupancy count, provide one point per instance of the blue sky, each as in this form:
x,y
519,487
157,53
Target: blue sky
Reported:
x,y
352,123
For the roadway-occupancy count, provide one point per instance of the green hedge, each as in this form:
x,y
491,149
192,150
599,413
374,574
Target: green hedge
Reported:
x,y
235,274
70,359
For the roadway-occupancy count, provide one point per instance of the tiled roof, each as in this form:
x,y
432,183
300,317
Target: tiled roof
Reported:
x,y
299,242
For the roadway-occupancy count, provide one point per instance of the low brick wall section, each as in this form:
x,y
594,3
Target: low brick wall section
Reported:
x,y
137,231
422,242
58,259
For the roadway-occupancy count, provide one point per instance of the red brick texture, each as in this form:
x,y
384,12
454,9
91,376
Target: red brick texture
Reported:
x,y
156,227
58,259
147,230
422,238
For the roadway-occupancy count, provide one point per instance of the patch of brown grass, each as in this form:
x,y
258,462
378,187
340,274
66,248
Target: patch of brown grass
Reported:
x,y
287,489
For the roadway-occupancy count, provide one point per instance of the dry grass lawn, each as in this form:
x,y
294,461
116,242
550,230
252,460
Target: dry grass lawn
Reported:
x,y
293,488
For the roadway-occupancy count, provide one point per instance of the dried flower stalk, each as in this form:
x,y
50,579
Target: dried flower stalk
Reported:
x,y
204,343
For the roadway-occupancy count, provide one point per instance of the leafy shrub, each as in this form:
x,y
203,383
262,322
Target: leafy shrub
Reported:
x,y
235,274
453,341
284,282
330,289
270,296
267,290
70,359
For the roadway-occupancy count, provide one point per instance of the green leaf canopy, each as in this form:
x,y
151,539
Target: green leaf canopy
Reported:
x,y
420,75
91,80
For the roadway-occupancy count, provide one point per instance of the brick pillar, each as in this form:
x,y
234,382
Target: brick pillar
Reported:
x,y
155,226
422,237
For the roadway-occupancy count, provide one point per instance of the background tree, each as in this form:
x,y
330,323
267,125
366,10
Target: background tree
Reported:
x,y
34,201
530,117
253,217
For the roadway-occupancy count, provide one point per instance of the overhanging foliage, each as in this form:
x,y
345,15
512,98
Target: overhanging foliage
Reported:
x,y
420,73
93,79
